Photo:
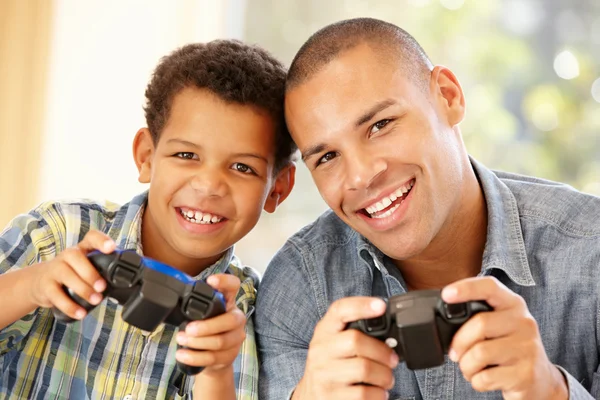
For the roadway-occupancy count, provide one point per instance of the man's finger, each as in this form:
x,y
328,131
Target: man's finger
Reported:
x,y
487,288
353,343
96,240
497,352
485,325
346,310
359,370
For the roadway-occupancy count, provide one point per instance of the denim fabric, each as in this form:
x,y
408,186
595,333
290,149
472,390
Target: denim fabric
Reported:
x,y
543,243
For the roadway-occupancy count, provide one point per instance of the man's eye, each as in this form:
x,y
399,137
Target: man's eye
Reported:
x,y
186,155
379,125
326,158
243,168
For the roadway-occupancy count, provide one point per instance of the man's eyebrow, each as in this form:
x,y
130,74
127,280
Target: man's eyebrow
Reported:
x,y
382,105
312,150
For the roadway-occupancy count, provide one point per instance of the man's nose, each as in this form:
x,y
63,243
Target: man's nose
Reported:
x,y
363,168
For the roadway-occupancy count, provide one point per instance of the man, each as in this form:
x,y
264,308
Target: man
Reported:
x,y
378,127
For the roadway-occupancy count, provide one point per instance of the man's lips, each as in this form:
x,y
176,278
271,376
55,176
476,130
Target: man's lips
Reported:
x,y
384,204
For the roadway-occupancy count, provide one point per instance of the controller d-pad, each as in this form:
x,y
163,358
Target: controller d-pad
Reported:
x,y
196,309
458,310
123,277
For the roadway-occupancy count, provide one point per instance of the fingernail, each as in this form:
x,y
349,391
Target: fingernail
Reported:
x,y
378,305
394,360
181,355
212,280
449,293
452,355
108,245
181,339
95,298
192,330
80,313
99,285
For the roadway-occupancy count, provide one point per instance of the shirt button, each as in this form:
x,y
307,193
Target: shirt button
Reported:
x,y
128,397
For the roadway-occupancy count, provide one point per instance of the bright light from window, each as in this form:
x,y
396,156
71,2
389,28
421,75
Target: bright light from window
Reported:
x,y
452,4
545,117
566,65
596,90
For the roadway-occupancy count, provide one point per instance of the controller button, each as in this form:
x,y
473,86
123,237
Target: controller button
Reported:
x,y
131,258
196,309
455,310
391,342
123,277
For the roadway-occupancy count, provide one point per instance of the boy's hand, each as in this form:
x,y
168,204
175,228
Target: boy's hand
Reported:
x,y
72,269
214,343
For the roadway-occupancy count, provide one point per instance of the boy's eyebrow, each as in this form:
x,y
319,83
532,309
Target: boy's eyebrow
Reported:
x,y
191,144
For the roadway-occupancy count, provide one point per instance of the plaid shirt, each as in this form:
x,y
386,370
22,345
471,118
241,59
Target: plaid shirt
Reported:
x,y
100,357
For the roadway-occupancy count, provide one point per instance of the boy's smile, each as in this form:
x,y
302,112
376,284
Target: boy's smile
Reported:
x,y
210,174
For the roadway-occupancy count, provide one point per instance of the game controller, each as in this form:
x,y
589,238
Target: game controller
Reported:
x,y
420,326
151,293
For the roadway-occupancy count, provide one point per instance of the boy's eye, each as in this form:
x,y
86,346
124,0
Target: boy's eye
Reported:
x,y
186,155
327,157
243,168
379,125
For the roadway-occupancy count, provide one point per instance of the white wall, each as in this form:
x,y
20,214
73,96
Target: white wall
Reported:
x,y
102,55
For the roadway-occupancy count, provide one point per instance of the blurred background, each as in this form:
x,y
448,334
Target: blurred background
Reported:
x,y
73,75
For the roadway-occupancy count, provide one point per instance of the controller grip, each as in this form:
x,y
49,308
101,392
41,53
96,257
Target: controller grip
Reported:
x,y
187,369
61,316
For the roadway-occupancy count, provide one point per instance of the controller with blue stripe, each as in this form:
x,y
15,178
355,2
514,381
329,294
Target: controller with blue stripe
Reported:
x,y
151,293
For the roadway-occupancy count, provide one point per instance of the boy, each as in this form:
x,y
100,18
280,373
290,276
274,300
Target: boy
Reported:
x,y
216,152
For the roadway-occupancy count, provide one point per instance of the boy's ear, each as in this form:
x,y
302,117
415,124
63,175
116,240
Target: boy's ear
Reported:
x,y
143,152
284,182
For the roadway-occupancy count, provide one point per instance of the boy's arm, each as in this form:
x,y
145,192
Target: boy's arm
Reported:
x,y
27,240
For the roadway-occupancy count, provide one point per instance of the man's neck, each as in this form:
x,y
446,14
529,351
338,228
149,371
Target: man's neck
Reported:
x,y
457,251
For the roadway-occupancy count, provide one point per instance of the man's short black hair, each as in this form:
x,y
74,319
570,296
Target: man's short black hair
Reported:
x,y
235,72
329,42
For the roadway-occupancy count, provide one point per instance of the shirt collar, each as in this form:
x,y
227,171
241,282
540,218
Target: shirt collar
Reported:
x,y
504,247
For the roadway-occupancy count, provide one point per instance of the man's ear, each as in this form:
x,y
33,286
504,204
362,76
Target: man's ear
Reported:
x,y
284,182
448,94
143,152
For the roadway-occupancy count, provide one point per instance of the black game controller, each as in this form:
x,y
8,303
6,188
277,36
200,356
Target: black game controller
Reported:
x,y
151,293
420,326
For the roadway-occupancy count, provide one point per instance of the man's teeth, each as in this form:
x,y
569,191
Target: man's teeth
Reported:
x,y
385,202
198,217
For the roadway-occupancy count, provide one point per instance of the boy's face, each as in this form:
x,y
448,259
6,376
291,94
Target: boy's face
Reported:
x,y
210,175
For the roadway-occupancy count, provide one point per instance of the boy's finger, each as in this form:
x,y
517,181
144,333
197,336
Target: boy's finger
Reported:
x,y
221,323
79,263
227,284
197,358
60,300
96,240
77,285
219,342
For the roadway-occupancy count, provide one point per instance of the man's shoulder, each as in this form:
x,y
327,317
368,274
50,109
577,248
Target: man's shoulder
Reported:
x,y
558,204
327,230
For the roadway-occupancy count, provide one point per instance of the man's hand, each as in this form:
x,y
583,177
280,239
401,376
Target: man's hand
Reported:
x,y
502,349
214,343
347,364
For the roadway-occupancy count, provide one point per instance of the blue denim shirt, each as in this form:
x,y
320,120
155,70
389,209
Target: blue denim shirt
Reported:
x,y
543,243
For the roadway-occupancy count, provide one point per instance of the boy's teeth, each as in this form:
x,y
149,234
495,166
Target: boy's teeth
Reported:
x,y
199,217
385,202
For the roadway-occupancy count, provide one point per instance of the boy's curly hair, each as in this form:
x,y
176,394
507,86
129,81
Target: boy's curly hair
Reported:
x,y
234,71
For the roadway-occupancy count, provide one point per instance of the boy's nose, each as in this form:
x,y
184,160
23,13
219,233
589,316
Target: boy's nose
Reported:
x,y
208,183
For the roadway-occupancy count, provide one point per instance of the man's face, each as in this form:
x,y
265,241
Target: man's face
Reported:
x,y
384,153
210,176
